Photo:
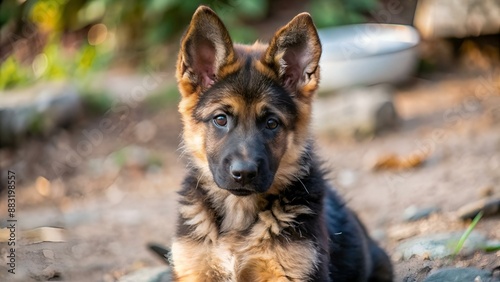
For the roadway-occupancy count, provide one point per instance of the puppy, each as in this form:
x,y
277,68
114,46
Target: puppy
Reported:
x,y
255,204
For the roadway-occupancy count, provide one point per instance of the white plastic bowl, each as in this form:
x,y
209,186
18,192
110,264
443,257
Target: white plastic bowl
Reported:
x,y
367,54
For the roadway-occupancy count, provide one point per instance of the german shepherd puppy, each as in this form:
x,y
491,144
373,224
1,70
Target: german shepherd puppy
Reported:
x,y
255,205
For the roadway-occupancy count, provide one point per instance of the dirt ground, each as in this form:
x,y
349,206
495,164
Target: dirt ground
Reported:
x,y
112,193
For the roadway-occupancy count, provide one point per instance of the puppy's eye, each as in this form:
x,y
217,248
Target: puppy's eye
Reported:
x,y
220,120
272,123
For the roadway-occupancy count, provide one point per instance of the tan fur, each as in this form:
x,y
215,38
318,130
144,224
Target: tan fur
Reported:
x,y
265,70
291,262
235,103
252,257
201,220
290,170
197,262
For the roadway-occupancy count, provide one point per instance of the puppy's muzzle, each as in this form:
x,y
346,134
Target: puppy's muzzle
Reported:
x,y
243,172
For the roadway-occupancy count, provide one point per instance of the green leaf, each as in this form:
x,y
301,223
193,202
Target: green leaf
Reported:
x,y
466,234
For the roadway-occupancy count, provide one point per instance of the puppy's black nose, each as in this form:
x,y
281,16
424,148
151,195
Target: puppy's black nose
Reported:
x,y
243,172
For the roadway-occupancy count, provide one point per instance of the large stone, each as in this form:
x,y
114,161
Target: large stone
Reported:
x,y
457,18
460,275
37,109
355,112
438,246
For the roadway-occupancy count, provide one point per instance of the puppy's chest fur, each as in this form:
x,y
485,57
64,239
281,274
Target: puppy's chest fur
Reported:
x,y
227,238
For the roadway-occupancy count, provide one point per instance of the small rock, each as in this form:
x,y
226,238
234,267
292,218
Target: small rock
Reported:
x,y
489,207
152,274
486,191
418,275
48,254
50,273
460,274
439,245
414,213
401,232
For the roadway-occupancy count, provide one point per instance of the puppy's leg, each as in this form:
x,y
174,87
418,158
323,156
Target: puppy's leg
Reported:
x,y
196,262
382,267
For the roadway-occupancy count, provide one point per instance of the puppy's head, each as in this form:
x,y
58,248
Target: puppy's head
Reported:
x,y
246,109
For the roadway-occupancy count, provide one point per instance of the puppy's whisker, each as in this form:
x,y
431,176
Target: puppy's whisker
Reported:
x,y
305,188
183,151
199,179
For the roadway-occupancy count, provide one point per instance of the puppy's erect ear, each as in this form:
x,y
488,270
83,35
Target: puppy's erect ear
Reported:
x,y
294,54
205,48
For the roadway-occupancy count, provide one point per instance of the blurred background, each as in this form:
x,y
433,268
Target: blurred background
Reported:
x,y
407,118
50,40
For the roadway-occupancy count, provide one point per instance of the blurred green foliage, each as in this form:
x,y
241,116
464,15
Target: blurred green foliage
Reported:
x,y
61,39
11,74
340,12
99,31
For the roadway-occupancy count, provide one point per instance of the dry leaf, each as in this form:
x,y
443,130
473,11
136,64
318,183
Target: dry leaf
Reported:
x,y
42,185
395,162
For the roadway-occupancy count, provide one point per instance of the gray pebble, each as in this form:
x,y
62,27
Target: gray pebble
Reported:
x,y
490,206
461,275
438,246
414,213
48,254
